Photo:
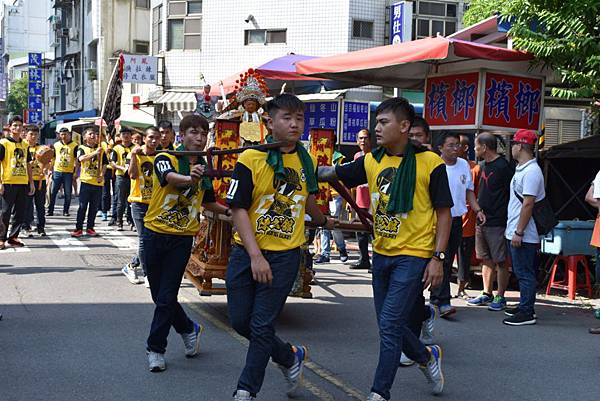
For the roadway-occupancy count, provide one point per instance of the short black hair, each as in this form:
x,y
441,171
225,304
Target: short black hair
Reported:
x,y
126,130
445,135
420,122
32,128
399,106
90,129
193,120
488,139
152,128
14,119
164,124
285,101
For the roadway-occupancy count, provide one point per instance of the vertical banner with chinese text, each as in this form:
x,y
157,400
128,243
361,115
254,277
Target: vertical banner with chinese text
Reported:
x,y
227,136
400,22
34,95
322,142
355,118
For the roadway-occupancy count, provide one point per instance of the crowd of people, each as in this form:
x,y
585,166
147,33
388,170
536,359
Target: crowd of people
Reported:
x,y
429,204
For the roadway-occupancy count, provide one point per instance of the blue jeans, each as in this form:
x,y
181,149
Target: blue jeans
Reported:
x,y
109,181
254,308
338,237
525,266
66,181
397,291
441,295
123,186
165,258
138,212
89,202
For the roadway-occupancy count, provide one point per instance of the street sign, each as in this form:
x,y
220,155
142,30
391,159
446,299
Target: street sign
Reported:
x,y
139,69
451,100
35,74
321,115
356,117
35,103
35,117
35,59
400,22
35,89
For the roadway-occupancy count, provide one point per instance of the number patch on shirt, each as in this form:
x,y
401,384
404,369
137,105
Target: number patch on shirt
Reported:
x,y
233,186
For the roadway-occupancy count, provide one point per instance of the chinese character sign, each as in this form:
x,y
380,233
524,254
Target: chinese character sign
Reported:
x,y
451,100
512,101
139,69
34,98
400,22
321,146
356,117
321,115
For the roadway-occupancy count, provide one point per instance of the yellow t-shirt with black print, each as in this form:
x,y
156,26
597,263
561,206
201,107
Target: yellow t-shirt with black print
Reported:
x,y
119,156
91,169
141,186
173,210
275,207
64,157
13,161
37,170
412,233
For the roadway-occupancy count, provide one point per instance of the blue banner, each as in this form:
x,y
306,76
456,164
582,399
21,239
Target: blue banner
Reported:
x,y
35,74
399,15
356,117
35,104
35,89
35,59
35,116
321,115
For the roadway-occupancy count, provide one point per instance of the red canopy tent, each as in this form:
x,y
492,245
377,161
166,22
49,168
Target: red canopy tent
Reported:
x,y
406,65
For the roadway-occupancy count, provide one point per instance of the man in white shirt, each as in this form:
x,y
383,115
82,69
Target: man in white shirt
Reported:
x,y
526,188
462,190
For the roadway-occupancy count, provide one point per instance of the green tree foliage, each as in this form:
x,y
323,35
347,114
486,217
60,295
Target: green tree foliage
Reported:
x,y
17,96
563,35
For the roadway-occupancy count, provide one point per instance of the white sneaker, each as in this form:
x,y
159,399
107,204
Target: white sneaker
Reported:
x,y
293,374
191,341
146,282
433,369
375,397
242,395
130,273
156,361
427,329
405,361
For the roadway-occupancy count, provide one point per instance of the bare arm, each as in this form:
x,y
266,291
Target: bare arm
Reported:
x,y
89,156
133,166
215,207
472,200
434,272
261,270
589,198
185,181
316,215
524,216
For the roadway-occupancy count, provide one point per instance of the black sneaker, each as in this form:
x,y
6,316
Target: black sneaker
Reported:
x,y
321,259
41,232
520,319
120,227
112,222
66,214
49,213
343,256
360,265
514,310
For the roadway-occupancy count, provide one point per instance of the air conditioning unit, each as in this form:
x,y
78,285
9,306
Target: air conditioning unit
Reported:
x,y
73,33
64,32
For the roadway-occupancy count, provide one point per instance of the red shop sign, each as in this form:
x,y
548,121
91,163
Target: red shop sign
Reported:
x,y
512,101
451,100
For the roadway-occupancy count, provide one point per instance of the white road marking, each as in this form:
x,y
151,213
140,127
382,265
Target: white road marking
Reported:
x,y
13,249
118,239
65,242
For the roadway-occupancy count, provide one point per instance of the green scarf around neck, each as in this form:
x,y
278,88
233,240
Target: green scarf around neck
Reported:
x,y
184,168
402,190
275,160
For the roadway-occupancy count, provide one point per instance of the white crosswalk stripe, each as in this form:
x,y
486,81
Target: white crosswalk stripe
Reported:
x,y
118,239
15,250
65,242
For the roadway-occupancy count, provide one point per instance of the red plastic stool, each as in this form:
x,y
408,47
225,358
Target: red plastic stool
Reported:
x,y
569,283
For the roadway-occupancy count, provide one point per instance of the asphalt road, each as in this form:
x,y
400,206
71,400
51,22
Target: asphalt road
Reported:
x,y
74,329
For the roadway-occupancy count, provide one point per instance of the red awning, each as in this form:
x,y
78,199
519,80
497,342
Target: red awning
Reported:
x,y
406,64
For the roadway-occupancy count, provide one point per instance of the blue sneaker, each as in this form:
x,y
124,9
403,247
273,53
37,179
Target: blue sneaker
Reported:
x,y
481,300
191,341
293,374
498,304
433,369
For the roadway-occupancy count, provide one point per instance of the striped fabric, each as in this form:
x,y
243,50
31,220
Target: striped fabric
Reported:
x,y
178,101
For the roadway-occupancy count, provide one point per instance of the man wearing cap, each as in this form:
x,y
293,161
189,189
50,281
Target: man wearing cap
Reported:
x,y
526,188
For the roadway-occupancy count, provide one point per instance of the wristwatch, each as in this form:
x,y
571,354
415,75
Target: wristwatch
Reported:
x,y
440,255
518,234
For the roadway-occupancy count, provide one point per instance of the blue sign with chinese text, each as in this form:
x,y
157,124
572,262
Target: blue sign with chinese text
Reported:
x,y
35,89
35,116
35,59
356,117
400,22
34,99
321,115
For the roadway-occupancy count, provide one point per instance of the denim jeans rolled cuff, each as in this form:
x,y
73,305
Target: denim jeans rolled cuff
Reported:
x,y
254,308
397,294
138,212
166,257
525,267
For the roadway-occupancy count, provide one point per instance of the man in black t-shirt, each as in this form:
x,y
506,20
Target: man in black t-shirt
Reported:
x,y
490,245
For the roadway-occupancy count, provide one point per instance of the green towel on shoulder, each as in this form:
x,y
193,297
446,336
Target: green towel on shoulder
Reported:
x,y
184,168
275,160
403,186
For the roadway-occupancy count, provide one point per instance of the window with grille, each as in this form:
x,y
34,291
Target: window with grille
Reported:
x,y
362,29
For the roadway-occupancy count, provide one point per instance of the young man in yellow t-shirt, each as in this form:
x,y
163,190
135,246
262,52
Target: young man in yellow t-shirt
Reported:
x,y
38,199
65,155
93,164
268,195
141,170
118,162
179,192
410,202
15,183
